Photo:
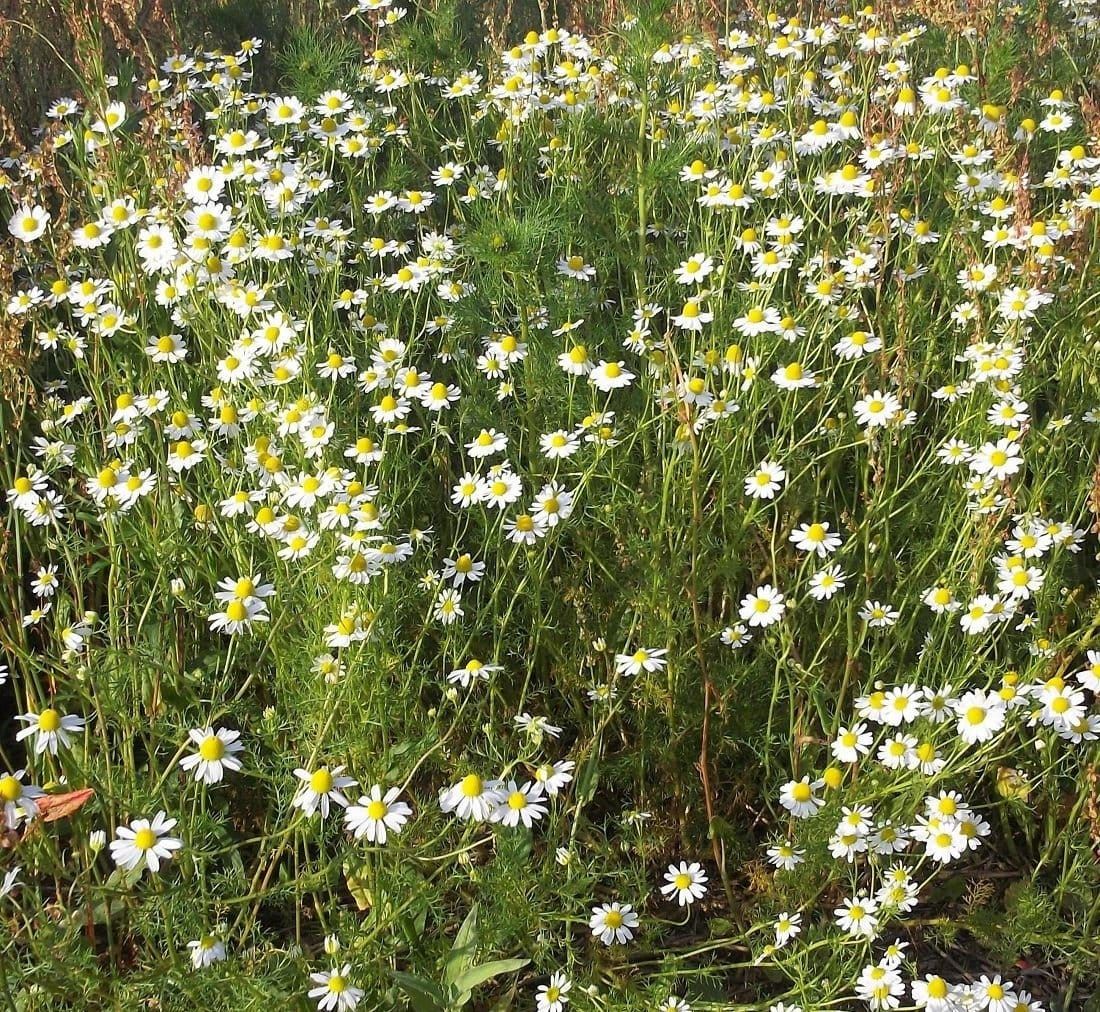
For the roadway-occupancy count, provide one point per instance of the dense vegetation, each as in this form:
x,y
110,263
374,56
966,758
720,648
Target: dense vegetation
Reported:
x,y
608,524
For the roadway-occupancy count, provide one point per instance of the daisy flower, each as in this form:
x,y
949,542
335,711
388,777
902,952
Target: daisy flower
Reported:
x,y
377,814
642,659
519,804
472,798
50,729
686,882
766,480
763,607
613,922
815,538
206,951
320,789
553,997
217,752
334,991
797,796
18,799
145,843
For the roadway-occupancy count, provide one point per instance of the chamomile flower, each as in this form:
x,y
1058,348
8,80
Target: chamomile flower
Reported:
x,y
554,776
472,798
50,729
852,743
517,804
18,799
685,882
763,607
29,222
145,843
608,376
553,996
377,815
765,481
206,951
798,797
321,789
815,538
641,659
980,716
613,923
216,752
827,582
335,991
857,916
877,409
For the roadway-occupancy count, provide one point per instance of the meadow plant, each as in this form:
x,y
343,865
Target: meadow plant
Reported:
x,y
603,524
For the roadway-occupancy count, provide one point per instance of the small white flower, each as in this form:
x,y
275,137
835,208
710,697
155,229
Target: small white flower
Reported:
x,y
613,922
145,843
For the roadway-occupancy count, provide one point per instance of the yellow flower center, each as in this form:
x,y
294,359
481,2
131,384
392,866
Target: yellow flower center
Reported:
x,y
376,810
212,748
937,988
321,782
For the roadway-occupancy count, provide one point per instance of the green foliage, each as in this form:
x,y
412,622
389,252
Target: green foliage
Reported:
x,y
626,638
313,60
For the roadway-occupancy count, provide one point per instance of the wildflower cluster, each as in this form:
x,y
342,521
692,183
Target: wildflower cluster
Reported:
x,y
644,487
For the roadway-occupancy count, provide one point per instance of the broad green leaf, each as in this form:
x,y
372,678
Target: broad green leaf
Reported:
x,y
476,975
423,995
